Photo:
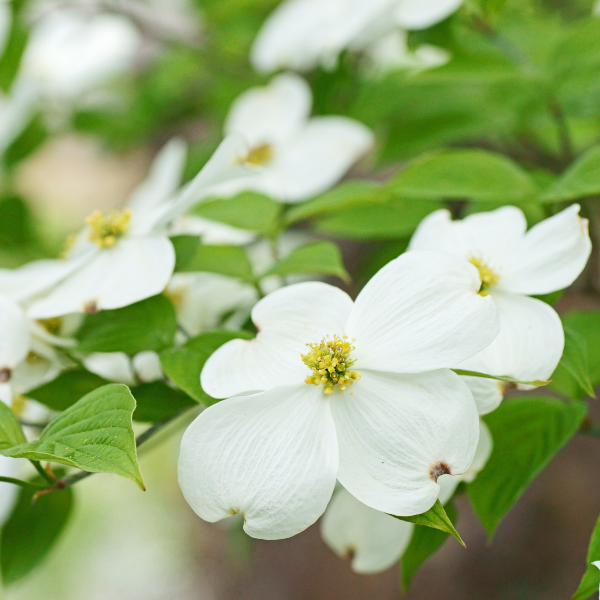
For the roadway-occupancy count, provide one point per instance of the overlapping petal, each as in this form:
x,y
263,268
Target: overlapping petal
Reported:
x,y
271,457
398,433
421,312
14,336
287,320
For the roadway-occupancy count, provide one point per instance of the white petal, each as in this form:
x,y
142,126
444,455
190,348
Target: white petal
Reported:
x,y
271,114
398,433
211,232
372,539
550,256
271,457
9,467
14,336
448,485
147,366
421,312
114,366
528,347
487,393
287,320
134,269
421,14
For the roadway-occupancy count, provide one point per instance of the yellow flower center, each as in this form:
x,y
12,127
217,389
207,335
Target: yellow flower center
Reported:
x,y
489,276
106,229
260,155
51,325
330,362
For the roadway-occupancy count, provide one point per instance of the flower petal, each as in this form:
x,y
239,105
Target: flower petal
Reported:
x,y
398,433
421,312
134,269
487,393
372,539
550,256
114,366
9,467
271,457
14,336
421,14
287,320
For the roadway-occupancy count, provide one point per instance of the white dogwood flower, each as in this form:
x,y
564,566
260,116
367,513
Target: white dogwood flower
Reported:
x,y
293,156
377,410
514,264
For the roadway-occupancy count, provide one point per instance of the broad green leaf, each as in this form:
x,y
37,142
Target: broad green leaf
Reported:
x,y
464,174
185,247
11,433
424,542
183,364
248,210
591,579
527,432
225,260
95,434
323,258
436,518
147,325
32,530
466,373
581,179
574,360
66,389
157,401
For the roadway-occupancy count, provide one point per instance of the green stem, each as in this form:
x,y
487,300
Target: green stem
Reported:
x,y
42,471
25,484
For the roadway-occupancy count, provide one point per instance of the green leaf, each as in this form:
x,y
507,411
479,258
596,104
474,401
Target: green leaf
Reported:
x,y
249,210
95,434
32,530
185,247
581,179
527,432
574,360
147,325
15,226
183,364
27,141
157,401
11,433
424,542
317,257
466,373
591,578
464,174
10,59
436,518
225,260
66,389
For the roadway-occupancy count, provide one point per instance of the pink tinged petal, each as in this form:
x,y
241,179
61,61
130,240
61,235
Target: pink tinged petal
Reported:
x,y
372,539
550,256
134,269
421,14
528,347
287,320
421,312
398,433
271,457
14,337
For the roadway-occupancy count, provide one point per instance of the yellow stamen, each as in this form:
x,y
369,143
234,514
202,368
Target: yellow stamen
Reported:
x,y
489,276
260,155
106,229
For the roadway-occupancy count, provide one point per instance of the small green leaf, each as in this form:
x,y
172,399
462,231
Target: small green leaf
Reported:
x,y
147,325
317,257
591,578
95,434
32,530
157,401
424,542
574,359
464,174
11,433
466,373
183,364
15,45
225,260
436,518
527,432
185,247
581,179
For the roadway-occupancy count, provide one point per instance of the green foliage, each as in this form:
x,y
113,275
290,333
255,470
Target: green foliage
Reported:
x,y
225,260
527,433
95,434
28,140
157,401
10,59
146,325
15,226
183,364
424,542
466,373
32,530
574,360
591,578
436,518
11,433
581,179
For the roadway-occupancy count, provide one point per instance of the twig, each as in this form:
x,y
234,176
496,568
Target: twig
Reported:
x,y
25,484
42,471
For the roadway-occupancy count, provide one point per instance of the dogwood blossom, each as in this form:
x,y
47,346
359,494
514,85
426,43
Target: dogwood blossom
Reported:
x,y
378,410
513,265
294,157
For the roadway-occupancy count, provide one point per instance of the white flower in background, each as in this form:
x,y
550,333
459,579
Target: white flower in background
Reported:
x,y
274,456
301,34
294,157
374,540
596,11
514,264
125,256
597,564
144,367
